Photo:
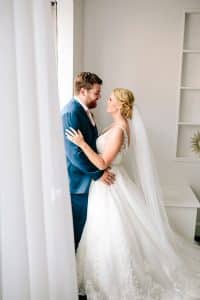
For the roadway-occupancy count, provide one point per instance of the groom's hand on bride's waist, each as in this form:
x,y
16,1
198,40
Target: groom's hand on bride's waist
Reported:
x,y
108,177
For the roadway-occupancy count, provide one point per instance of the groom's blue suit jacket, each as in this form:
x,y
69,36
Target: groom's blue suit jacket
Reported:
x,y
80,170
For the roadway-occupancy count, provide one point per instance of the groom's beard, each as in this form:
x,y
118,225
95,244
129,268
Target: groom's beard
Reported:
x,y
92,105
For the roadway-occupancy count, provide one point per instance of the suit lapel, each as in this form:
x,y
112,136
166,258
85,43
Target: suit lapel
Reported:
x,y
84,114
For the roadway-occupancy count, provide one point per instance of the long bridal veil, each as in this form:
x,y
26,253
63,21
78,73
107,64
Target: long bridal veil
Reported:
x,y
179,257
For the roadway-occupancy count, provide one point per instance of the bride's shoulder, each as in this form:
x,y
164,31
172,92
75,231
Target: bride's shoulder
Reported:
x,y
121,131
117,128
117,135
124,127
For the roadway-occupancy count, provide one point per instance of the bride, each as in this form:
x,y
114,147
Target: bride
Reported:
x,y
128,250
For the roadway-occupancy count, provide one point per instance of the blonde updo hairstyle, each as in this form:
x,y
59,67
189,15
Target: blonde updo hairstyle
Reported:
x,y
126,99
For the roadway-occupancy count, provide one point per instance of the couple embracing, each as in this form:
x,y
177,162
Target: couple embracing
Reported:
x,y
125,247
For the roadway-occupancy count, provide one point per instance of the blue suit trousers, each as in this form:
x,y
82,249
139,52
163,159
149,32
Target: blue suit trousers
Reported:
x,y
79,213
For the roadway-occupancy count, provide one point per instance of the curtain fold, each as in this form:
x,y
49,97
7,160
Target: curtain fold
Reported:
x,y
37,254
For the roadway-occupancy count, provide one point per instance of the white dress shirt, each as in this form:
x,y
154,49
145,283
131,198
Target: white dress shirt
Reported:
x,y
86,110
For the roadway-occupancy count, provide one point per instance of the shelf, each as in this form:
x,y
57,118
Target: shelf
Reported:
x,y
191,30
187,160
192,11
191,51
189,123
191,70
189,88
189,106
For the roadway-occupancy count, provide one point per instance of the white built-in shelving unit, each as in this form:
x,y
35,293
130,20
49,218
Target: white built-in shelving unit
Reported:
x,y
188,119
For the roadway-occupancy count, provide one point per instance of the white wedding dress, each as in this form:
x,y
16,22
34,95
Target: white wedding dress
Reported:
x,y
121,255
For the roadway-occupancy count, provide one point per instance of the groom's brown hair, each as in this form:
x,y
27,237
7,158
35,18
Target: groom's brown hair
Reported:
x,y
85,80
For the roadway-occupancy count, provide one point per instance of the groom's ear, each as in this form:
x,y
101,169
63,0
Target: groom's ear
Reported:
x,y
83,91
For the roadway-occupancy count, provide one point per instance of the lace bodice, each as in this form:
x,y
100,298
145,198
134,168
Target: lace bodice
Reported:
x,y
103,140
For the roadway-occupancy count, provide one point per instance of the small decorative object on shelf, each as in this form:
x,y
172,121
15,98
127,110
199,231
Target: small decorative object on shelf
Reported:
x,y
195,141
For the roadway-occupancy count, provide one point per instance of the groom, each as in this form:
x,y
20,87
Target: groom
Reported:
x,y
76,114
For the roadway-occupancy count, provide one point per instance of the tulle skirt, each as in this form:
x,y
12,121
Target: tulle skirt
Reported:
x,y
121,255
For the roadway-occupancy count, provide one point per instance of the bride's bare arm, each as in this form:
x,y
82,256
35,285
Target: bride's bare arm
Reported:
x,y
103,160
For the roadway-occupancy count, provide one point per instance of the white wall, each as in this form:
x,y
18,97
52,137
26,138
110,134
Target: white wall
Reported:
x,y
136,44
78,36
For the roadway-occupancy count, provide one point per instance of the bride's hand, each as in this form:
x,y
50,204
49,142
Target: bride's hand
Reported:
x,y
74,136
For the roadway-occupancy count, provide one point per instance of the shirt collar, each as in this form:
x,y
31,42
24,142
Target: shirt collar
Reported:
x,y
81,103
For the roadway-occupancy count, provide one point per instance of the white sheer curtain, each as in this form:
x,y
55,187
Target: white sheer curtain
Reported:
x,y
37,255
